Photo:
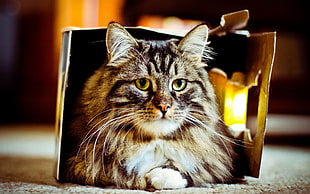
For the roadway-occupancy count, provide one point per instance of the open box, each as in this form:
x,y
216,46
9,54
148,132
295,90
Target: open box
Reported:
x,y
243,60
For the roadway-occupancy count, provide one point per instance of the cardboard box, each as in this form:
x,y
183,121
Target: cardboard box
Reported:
x,y
243,60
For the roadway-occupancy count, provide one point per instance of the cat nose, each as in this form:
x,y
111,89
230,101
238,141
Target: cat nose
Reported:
x,y
163,107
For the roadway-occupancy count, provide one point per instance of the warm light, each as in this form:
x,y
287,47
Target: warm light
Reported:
x,y
235,104
232,97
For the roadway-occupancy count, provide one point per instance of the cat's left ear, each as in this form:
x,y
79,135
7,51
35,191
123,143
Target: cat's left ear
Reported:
x,y
118,41
194,43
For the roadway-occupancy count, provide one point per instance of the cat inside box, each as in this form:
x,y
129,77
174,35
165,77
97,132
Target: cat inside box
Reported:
x,y
148,117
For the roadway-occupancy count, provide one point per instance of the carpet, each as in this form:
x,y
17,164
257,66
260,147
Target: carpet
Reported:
x,y
27,165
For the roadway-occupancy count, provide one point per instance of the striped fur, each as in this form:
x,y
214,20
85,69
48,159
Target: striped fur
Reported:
x,y
162,136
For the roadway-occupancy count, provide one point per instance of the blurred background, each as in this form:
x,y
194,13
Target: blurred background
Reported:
x,y
30,38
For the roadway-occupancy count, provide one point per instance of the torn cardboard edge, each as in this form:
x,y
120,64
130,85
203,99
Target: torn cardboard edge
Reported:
x,y
258,62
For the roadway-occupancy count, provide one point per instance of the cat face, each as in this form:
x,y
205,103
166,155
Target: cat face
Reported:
x,y
157,86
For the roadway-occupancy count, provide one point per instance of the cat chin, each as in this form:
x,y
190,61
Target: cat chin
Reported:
x,y
160,127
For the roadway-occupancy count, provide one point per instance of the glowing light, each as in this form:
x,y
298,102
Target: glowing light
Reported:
x,y
232,97
235,104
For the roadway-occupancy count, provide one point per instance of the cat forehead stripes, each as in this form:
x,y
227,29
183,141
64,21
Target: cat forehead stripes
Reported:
x,y
161,56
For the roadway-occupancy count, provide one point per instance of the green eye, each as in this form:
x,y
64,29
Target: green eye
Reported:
x,y
179,84
143,84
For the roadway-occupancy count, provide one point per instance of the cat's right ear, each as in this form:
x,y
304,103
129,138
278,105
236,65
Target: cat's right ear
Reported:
x,y
118,41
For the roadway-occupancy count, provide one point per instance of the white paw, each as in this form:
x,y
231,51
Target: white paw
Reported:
x,y
165,178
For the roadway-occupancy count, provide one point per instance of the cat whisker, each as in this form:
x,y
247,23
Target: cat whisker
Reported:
x,y
108,125
87,136
199,122
97,115
107,117
121,121
122,124
92,133
221,137
232,140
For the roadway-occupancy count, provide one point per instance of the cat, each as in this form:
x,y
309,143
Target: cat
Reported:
x,y
148,118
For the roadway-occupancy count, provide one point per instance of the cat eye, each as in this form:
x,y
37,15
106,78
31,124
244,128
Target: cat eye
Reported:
x,y
179,84
143,84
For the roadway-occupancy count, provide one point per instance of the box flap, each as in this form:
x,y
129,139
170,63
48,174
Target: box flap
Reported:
x,y
231,22
261,52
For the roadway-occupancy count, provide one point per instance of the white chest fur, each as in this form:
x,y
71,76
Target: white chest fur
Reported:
x,y
156,154
159,127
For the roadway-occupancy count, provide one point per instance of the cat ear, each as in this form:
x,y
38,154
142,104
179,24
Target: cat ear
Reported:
x,y
118,41
194,43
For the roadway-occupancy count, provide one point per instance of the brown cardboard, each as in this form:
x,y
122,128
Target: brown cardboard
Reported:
x,y
263,45
261,50
231,21
253,68
259,63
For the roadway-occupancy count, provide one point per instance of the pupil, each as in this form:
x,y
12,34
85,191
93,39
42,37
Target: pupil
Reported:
x,y
142,82
179,83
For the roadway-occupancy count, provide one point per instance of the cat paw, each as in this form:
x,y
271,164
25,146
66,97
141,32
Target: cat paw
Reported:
x,y
165,178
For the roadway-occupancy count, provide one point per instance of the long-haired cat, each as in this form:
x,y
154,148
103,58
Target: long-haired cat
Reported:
x,y
148,117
